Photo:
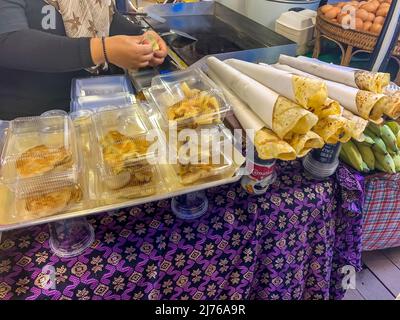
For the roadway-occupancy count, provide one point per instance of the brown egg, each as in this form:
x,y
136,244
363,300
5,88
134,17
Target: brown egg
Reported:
x,y
379,20
359,24
388,1
376,4
355,4
362,2
367,25
376,28
370,17
341,4
382,12
381,1
362,14
384,5
332,13
326,8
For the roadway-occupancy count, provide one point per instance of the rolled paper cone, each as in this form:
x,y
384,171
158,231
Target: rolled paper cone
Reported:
x,y
360,79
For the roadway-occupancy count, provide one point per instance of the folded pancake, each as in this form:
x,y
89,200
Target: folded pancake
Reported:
x,y
392,109
41,159
310,93
371,81
355,126
333,129
371,105
269,146
304,143
329,108
50,203
307,92
289,118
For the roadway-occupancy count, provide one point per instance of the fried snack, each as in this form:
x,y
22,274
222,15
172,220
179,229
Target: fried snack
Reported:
x,y
310,93
141,184
371,105
51,203
392,109
304,143
333,129
371,81
119,150
329,108
355,125
289,118
200,106
41,159
269,146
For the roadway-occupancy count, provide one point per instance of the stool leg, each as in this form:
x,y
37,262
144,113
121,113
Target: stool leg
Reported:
x,y
317,46
346,58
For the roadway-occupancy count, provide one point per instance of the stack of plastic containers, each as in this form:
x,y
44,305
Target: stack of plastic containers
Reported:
x,y
98,92
41,166
190,100
127,166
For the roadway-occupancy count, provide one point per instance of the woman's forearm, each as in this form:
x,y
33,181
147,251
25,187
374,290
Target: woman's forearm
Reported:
x,y
33,50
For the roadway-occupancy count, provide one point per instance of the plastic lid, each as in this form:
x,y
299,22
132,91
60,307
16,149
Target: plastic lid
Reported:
x,y
190,98
100,86
97,102
38,150
204,154
317,169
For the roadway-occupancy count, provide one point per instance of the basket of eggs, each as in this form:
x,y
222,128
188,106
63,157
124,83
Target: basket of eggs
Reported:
x,y
355,23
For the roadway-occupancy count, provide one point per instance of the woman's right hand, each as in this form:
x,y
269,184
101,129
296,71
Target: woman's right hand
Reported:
x,y
128,52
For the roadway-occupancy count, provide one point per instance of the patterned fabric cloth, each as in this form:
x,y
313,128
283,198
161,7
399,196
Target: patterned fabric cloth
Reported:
x,y
89,18
381,217
290,243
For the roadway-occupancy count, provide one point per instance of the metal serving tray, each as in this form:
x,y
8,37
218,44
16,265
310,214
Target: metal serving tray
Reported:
x,y
92,205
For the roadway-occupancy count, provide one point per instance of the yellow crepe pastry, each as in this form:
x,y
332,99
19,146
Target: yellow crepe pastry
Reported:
x,y
371,81
355,125
329,108
304,143
333,129
392,109
289,118
371,106
310,93
40,160
269,146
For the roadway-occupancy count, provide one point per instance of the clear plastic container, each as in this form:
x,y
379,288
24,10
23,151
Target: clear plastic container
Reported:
x,y
124,169
98,102
38,150
188,97
100,86
206,156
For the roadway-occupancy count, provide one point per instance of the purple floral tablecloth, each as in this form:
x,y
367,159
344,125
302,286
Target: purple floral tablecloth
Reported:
x,y
288,244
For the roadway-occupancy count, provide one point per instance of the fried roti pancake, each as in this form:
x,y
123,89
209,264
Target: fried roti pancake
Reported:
x,y
200,105
48,204
119,150
42,159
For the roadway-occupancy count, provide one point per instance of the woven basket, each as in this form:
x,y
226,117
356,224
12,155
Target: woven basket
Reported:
x,y
359,39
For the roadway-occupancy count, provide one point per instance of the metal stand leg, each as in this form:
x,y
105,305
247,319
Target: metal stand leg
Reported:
x,y
70,238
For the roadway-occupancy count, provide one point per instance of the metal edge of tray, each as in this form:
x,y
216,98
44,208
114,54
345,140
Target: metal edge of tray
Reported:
x,y
121,205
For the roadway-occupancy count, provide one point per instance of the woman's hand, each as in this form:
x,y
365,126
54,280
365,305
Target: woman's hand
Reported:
x,y
128,52
159,55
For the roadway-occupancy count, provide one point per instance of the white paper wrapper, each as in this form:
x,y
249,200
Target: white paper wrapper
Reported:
x,y
258,97
247,118
321,69
266,75
345,95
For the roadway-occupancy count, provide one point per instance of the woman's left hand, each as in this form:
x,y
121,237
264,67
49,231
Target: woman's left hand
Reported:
x,y
159,55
